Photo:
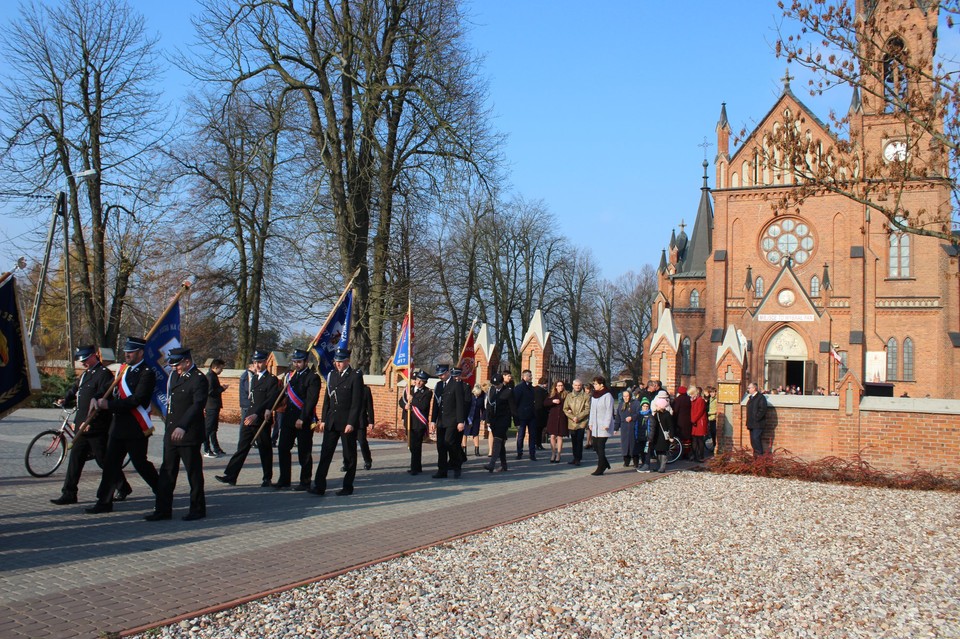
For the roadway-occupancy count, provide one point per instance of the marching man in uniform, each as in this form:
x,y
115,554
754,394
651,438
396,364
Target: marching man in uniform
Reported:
x,y
340,418
183,435
303,393
418,419
131,424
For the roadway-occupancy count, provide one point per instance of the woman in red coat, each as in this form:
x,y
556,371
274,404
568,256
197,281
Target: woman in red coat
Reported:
x,y
699,426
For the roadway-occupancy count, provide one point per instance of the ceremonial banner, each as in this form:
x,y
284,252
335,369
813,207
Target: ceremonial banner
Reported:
x,y
336,334
165,337
402,356
468,362
18,374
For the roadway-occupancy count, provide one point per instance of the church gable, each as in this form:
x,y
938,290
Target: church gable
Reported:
x,y
785,296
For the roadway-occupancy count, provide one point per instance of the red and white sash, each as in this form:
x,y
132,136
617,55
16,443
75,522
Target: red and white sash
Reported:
x,y
141,414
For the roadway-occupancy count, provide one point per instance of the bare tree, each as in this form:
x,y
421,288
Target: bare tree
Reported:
x,y
915,98
634,293
80,96
600,336
577,275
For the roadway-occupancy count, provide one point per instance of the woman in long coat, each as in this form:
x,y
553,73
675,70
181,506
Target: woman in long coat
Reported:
x,y
556,420
663,431
625,419
476,416
498,419
601,422
681,419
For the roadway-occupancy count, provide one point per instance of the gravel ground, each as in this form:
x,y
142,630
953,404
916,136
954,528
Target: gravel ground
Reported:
x,y
729,556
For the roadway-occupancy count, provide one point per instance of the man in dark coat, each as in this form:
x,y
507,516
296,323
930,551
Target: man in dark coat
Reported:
x,y
211,445
524,414
264,390
183,434
367,420
451,417
499,412
244,390
540,410
756,418
419,418
681,419
131,425
93,383
340,418
302,395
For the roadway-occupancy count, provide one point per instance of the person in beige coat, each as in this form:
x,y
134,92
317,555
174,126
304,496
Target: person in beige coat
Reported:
x,y
576,407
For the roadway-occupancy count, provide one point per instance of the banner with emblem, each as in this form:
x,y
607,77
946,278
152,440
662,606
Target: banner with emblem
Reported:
x,y
402,356
334,334
468,360
165,337
18,371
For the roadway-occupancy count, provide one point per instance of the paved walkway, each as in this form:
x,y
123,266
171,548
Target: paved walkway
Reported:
x,y
65,573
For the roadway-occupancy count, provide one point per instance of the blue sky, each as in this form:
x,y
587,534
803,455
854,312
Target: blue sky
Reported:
x,y
605,107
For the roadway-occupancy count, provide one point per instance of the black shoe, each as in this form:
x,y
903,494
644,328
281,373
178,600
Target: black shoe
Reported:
x,y
533,458
598,472
100,507
314,491
266,483
300,488
193,516
63,500
540,447
343,492
439,476
456,473
367,465
122,494
155,516
519,455
488,468
282,486
413,472
223,479
219,453
343,468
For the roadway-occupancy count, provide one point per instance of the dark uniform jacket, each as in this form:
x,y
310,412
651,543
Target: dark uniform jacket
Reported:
x,y
422,400
215,392
306,385
344,399
452,409
186,396
366,413
92,384
244,389
264,391
141,380
757,412
523,401
499,410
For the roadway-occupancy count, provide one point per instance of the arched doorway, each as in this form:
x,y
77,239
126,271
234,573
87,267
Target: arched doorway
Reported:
x,y
787,362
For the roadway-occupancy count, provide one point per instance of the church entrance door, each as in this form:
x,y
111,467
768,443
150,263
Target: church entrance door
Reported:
x,y
785,362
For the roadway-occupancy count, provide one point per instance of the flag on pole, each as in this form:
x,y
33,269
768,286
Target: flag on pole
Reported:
x,y
18,371
336,334
468,362
165,337
402,356
836,355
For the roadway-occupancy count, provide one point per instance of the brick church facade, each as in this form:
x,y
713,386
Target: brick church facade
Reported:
x,y
800,294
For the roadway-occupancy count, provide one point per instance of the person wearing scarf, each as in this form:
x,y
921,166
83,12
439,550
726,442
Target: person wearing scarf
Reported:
x,y
601,424
644,432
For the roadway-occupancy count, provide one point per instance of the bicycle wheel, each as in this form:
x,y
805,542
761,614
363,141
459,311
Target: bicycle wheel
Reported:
x,y
45,453
676,449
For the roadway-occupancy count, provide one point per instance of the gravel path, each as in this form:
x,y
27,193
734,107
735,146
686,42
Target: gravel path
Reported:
x,y
729,557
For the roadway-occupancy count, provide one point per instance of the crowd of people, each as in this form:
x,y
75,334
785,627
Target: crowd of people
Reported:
x,y
114,422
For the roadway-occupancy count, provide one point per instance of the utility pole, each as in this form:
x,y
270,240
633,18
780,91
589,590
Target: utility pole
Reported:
x,y
61,198
62,204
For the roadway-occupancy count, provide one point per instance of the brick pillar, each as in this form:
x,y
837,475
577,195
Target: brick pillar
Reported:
x,y
730,414
665,366
536,357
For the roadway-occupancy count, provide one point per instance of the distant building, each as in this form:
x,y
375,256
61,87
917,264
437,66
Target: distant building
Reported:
x,y
797,296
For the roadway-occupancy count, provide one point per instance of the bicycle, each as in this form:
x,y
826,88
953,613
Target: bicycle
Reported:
x,y
673,454
47,450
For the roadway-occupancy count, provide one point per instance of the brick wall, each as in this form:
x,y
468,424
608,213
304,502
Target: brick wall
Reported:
x,y
893,434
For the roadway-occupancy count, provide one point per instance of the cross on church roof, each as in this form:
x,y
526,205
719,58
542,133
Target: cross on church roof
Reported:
x,y
786,79
682,225
705,145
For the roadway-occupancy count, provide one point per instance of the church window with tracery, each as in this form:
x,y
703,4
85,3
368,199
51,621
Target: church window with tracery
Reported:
x,y
758,287
908,360
814,286
686,363
694,298
892,359
899,265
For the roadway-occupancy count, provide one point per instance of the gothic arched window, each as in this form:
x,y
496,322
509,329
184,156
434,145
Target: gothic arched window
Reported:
x,y
899,253
894,76
694,298
686,363
891,359
814,286
758,287
908,360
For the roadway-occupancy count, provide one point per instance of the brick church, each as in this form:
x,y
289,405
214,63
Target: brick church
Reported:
x,y
797,295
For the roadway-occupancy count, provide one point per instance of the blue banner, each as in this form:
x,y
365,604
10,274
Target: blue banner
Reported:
x,y
401,358
166,337
335,335
14,374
